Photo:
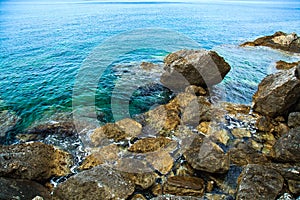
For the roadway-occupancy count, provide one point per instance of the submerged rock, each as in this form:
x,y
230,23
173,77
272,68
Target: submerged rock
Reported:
x,y
279,40
8,120
277,93
193,67
259,182
282,65
101,182
22,189
205,155
33,161
287,148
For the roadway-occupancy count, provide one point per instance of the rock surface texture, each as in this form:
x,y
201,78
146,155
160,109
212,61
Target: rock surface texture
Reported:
x,y
33,161
277,93
100,182
279,40
193,67
259,182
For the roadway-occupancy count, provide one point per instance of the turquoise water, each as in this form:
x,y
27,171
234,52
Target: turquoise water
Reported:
x,y
43,46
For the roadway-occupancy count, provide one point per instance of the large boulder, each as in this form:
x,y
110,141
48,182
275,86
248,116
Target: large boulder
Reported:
x,y
100,182
279,40
259,182
277,93
33,161
22,189
193,67
287,148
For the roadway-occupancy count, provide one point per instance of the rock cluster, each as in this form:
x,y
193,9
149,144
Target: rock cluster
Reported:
x,y
189,148
279,40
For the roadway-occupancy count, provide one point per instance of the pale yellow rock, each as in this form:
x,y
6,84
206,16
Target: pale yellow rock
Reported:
x,y
161,161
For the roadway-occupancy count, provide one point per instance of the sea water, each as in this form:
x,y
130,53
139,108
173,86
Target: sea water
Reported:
x,y
44,45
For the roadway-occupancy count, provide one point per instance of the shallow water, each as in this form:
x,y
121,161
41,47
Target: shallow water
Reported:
x,y
43,46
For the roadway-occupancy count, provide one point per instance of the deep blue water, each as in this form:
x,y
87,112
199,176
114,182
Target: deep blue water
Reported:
x,y
45,45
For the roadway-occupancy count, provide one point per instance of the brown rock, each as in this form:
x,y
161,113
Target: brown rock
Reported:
x,y
282,65
195,90
161,161
184,186
287,148
138,197
101,135
277,93
21,189
198,110
240,132
33,161
279,40
243,154
205,155
146,145
294,186
137,171
193,67
148,66
161,120
130,127
100,182
172,197
288,171
259,182
107,154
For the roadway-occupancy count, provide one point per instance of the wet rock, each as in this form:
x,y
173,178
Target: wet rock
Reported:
x,y
34,161
197,111
161,120
137,171
209,196
107,154
100,182
279,40
287,148
294,119
138,197
196,90
130,127
243,154
184,186
288,171
205,155
282,65
241,133
148,66
294,186
217,133
286,196
193,67
21,189
8,120
161,161
172,197
259,182
146,145
277,93
102,135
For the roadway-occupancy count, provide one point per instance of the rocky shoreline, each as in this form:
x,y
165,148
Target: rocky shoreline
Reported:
x,y
190,148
